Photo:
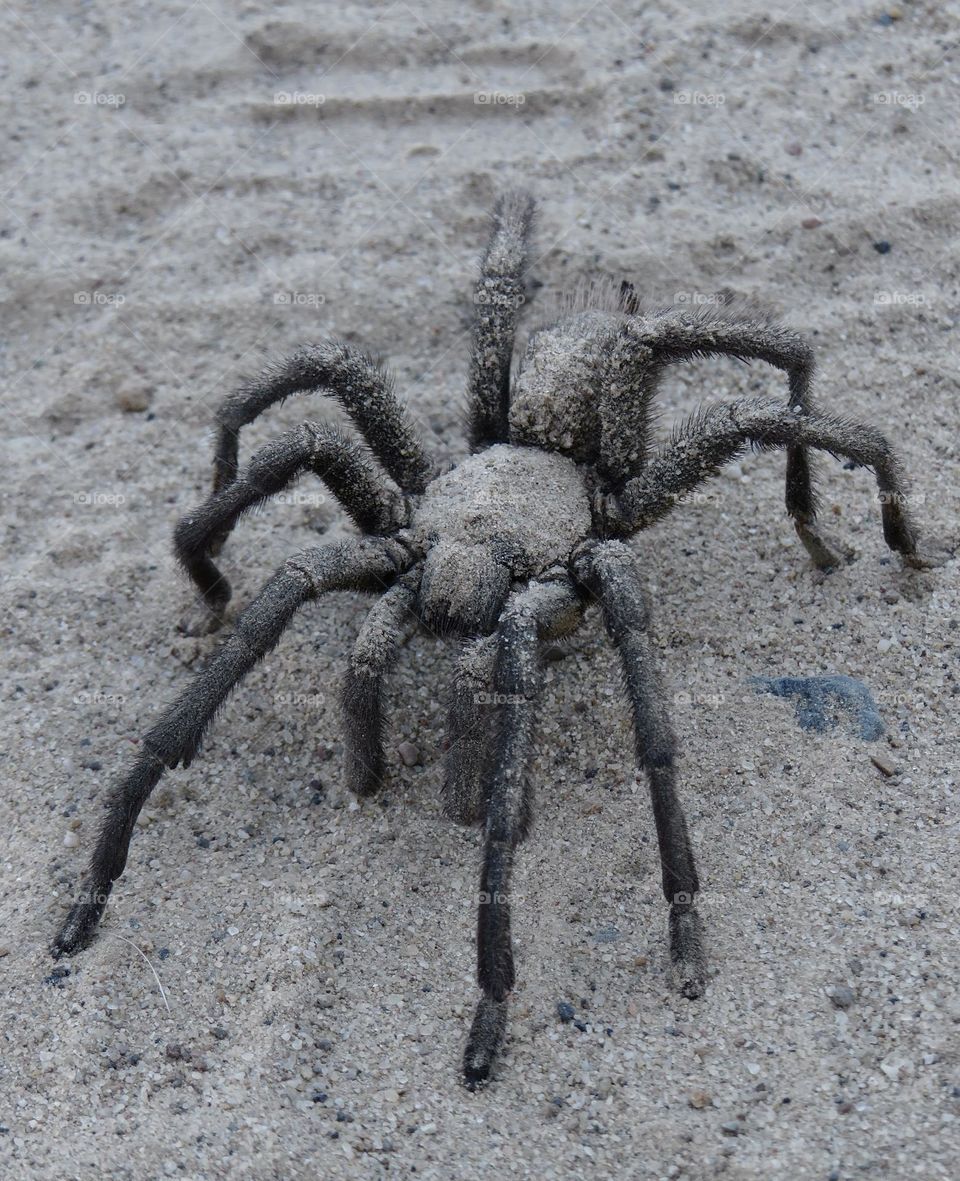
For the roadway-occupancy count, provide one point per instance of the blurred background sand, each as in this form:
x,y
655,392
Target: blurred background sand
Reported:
x,y
189,189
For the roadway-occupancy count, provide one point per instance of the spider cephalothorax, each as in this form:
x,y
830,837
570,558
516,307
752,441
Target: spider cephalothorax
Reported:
x,y
505,551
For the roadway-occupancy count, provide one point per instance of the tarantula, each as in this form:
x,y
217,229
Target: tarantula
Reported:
x,y
505,551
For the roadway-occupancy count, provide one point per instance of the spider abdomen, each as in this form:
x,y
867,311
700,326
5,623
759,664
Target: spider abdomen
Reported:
x,y
556,399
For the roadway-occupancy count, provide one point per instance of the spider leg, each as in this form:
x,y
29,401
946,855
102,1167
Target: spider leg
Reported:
x,y
361,387
608,570
391,622
675,336
471,703
498,296
540,610
714,436
361,564
370,499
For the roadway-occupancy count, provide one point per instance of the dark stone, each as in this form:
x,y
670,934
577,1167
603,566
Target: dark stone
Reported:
x,y
817,698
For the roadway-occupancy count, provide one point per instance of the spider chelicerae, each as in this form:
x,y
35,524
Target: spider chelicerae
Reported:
x,y
505,551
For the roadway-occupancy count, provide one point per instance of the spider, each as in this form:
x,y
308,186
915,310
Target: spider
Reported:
x,y
505,550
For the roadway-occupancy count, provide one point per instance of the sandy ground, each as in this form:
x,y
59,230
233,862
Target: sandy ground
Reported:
x,y
191,188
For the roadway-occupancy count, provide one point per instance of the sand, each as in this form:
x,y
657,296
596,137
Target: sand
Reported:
x,y
191,189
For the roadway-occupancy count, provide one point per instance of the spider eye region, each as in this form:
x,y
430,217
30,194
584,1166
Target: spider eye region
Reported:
x,y
506,513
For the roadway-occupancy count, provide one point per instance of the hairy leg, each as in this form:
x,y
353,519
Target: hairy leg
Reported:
x,y
358,565
468,731
711,438
370,499
748,334
390,623
498,296
609,571
361,387
540,610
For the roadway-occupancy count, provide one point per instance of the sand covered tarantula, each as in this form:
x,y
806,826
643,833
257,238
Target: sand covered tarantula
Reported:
x,y
505,551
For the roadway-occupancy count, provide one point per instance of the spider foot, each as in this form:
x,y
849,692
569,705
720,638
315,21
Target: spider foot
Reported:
x,y
686,952
825,553
929,556
80,925
483,1044
201,619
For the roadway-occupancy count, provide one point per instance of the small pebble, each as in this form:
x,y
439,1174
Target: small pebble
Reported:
x,y
811,223
883,765
882,247
700,1099
732,1128
565,1012
133,397
409,754
842,996
70,840
794,149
